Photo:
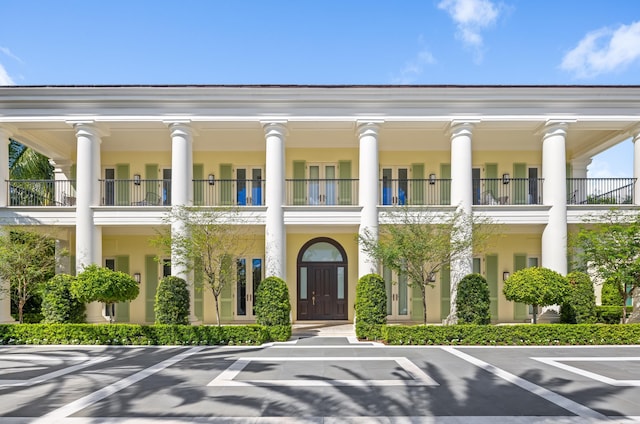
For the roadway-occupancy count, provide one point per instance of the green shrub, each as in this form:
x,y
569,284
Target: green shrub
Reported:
x,y
172,301
100,284
370,305
536,286
609,314
58,304
272,302
611,295
132,334
473,300
579,306
515,335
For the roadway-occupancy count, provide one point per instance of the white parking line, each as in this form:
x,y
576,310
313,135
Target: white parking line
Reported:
x,y
45,377
227,377
558,363
548,395
111,389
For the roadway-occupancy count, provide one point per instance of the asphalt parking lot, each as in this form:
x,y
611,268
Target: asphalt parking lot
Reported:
x,y
319,380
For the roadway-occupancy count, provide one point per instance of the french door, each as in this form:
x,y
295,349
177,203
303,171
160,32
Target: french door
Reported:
x,y
395,185
322,184
249,275
248,186
398,300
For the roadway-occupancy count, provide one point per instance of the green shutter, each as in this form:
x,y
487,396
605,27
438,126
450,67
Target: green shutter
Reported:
x,y
344,187
198,287
445,186
445,292
122,184
417,184
491,173
198,184
299,183
520,311
72,264
520,187
416,303
492,281
152,185
122,308
151,284
226,184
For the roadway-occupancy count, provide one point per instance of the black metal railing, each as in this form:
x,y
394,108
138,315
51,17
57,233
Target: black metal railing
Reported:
x,y
507,191
600,191
228,192
41,192
415,192
326,192
136,192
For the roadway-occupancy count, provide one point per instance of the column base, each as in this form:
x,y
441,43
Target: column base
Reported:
x,y
549,315
95,313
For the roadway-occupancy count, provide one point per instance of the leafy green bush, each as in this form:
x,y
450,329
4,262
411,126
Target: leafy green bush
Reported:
x,y
611,295
272,302
58,304
536,286
172,301
370,305
579,306
609,314
100,284
132,334
473,300
516,335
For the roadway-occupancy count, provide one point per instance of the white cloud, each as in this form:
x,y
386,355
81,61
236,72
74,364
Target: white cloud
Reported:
x,y
8,53
471,17
414,68
5,79
604,50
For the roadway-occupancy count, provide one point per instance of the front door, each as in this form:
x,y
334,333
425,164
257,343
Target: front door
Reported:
x,y
322,281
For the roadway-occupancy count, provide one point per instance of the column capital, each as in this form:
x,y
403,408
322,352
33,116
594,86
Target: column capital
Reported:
x,y
275,128
459,127
556,127
181,128
368,127
635,133
87,129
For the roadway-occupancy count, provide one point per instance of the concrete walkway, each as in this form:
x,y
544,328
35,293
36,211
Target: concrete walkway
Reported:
x,y
323,329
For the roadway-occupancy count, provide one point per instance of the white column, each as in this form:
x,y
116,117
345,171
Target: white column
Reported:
x,y
275,235
636,167
88,235
579,186
368,191
462,198
4,165
554,189
181,196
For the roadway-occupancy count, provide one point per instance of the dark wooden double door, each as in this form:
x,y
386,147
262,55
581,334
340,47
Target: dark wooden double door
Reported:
x,y
323,299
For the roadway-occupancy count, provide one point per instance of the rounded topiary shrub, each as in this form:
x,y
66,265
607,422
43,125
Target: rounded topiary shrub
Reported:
x,y
473,300
611,295
172,301
272,302
371,306
579,306
59,306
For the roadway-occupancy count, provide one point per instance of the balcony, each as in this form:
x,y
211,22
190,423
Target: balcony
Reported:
x,y
415,192
600,191
507,191
326,192
322,192
41,193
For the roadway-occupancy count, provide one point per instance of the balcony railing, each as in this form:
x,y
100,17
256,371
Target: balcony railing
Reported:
x,y
427,192
228,192
415,192
600,191
507,191
322,192
41,192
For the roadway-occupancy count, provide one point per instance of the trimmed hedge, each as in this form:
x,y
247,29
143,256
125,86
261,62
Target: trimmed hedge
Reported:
x,y
172,301
370,306
473,301
609,314
513,335
272,303
133,334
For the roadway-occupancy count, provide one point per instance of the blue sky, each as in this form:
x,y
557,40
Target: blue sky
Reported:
x,y
78,42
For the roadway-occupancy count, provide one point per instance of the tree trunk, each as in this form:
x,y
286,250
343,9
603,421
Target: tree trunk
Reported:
x,y
215,297
535,314
424,304
20,308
